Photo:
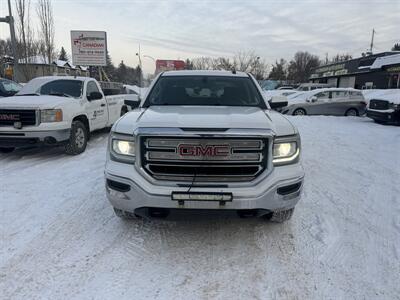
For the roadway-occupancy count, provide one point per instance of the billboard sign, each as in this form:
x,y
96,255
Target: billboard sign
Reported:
x,y
168,65
89,48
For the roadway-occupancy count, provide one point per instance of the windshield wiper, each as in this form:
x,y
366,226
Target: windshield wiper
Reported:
x,y
29,94
59,94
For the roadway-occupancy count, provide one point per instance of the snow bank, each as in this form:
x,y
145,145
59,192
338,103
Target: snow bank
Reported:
x,y
392,95
139,90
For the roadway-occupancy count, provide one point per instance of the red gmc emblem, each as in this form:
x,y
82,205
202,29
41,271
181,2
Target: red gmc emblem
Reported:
x,y
200,150
9,117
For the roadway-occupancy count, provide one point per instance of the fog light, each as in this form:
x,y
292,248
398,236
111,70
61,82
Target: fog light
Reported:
x,y
182,196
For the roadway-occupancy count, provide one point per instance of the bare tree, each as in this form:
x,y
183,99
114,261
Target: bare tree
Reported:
x,y
244,61
27,47
203,63
46,32
301,65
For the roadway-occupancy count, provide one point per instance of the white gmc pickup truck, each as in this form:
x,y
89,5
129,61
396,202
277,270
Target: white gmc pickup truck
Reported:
x,y
204,140
57,110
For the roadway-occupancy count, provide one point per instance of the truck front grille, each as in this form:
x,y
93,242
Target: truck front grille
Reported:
x,y
204,159
379,104
9,116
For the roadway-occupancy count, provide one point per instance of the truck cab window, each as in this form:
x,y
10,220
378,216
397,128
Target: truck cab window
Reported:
x,y
91,87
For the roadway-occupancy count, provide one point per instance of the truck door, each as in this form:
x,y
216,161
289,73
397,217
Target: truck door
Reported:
x,y
96,107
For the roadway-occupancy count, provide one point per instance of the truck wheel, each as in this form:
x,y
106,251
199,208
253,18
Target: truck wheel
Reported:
x,y
126,214
281,216
6,150
351,112
78,139
299,112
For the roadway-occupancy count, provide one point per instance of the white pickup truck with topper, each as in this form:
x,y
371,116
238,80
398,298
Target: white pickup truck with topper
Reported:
x,y
57,110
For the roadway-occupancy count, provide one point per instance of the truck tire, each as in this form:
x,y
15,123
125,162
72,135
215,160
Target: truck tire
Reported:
x,y
126,214
78,139
281,216
299,112
6,150
351,112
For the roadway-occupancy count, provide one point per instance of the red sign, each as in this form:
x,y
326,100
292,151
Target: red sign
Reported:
x,y
199,150
169,65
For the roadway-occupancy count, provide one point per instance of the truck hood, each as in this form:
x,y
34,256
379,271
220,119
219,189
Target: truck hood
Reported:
x,y
205,117
37,102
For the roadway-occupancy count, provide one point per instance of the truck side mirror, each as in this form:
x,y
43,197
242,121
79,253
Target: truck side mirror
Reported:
x,y
94,96
277,102
132,100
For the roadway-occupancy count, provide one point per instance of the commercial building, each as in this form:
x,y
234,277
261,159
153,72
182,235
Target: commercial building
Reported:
x,y
378,71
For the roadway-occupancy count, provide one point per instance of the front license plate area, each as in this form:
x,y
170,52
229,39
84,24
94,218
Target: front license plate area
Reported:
x,y
201,196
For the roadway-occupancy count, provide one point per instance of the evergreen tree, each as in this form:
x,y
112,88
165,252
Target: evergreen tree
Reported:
x,y
63,55
396,47
279,70
109,69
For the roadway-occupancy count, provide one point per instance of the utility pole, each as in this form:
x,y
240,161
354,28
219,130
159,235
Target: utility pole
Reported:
x,y
140,64
10,20
372,40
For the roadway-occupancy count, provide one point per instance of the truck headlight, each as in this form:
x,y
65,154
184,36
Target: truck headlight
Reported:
x,y
51,115
286,150
122,148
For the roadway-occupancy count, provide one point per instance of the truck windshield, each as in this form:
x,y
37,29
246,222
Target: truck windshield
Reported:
x,y
204,90
62,87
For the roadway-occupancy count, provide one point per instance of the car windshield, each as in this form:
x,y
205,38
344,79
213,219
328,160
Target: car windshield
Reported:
x,y
62,87
204,90
9,86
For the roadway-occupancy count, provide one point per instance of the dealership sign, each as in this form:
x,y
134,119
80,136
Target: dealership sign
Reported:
x,y
89,48
168,65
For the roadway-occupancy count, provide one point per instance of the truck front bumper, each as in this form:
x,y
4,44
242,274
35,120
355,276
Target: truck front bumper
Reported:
x,y
22,138
128,190
384,116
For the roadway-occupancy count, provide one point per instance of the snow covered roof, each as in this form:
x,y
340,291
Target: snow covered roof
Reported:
x,y
37,59
385,61
62,63
40,60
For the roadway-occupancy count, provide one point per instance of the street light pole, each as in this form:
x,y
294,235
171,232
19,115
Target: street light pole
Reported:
x,y
10,20
140,64
148,56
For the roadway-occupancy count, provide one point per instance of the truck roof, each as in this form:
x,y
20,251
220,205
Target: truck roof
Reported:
x,y
204,73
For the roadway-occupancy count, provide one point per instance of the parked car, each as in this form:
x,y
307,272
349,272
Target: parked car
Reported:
x,y
384,111
305,87
204,140
331,101
285,88
57,110
8,88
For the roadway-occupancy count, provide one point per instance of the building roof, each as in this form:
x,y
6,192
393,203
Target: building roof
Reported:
x,y
40,60
386,61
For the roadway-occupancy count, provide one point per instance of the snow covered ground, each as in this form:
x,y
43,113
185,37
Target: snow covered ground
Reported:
x,y
61,240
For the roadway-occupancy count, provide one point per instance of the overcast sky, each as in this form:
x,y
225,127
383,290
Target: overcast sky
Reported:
x,y
180,30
